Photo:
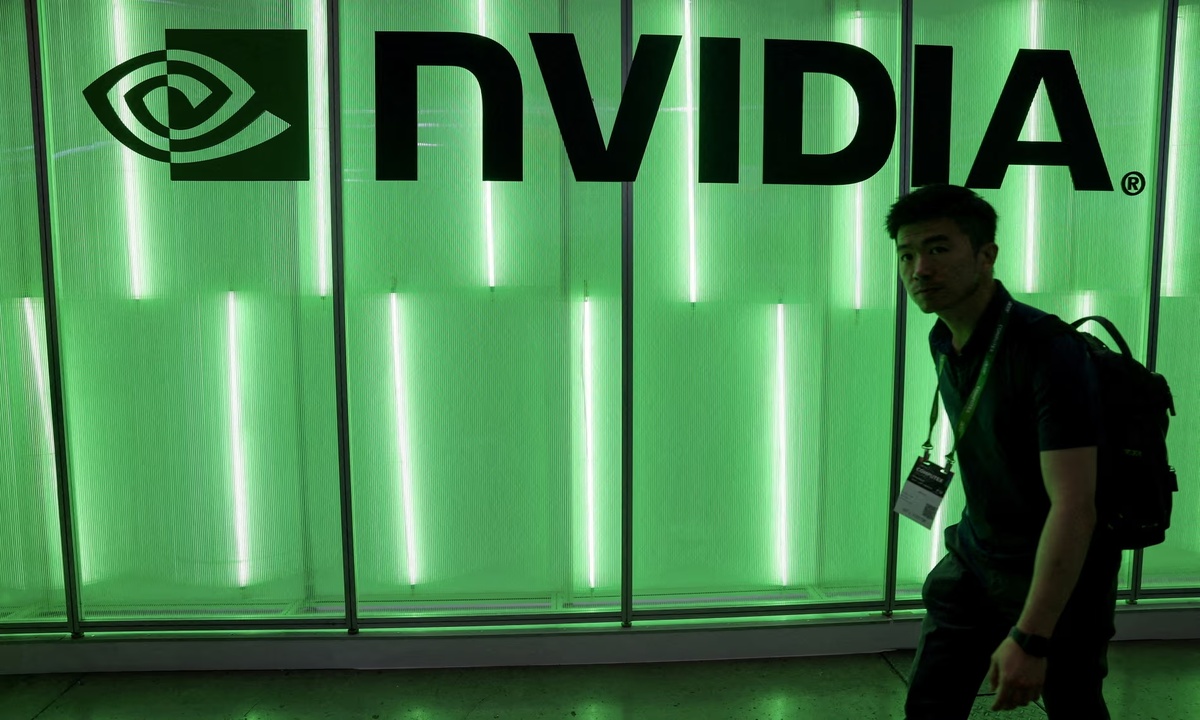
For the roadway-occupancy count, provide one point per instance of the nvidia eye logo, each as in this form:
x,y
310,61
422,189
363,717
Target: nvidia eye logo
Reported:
x,y
215,104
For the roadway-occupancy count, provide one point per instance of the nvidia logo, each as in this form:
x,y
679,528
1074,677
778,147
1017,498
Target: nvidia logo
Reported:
x,y
233,105
215,104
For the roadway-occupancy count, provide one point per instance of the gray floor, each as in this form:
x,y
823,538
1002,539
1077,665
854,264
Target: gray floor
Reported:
x,y
1148,680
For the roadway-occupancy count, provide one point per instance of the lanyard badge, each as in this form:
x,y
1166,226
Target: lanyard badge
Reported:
x,y
923,492
926,485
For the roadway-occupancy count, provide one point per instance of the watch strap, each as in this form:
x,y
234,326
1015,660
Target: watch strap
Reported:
x,y
1034,645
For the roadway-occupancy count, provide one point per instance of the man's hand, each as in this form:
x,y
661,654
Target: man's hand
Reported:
x,y
1019,675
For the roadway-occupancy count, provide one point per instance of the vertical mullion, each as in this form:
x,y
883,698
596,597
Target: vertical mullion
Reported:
x,y
53,351
906,83
1171,27
626,348
337,244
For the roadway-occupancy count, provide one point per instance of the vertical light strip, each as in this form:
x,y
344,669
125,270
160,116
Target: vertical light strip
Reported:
x,y
939,522
320,95
858,247
1170,286
1031,225
402,446
858,188
40,373
1085,305
589,441
39,369
487,185
133,199
236,442
491,233
781,438
691,148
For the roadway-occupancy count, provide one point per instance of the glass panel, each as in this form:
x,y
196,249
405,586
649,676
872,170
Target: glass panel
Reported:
x,y
196,316
1069,252
31,568
483,326
484,317
1176,562
764,324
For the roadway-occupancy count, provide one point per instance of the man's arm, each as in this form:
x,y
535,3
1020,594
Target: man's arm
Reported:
x,y
1070,477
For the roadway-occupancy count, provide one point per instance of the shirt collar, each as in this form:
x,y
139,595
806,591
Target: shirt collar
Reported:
x,y
941,338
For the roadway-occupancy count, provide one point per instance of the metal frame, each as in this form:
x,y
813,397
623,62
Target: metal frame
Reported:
x,y
489,647
352,622
1171,29
626,348
35,629
53,351
901,337
337,240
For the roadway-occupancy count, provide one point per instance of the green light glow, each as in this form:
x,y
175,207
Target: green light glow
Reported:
x,y
1085,305
856,37
781,439
489,224
937,542
33,327
130,163
690,148
402,441
34,322
237,441
1031,173
319,91
1170,280
590,441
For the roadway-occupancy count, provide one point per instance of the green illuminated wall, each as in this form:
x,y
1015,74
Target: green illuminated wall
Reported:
x,y
483,323
752,482
484,443
31,568
197,342
1174,563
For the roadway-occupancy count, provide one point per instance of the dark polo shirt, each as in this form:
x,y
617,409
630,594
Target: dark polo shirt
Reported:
x,y
1041,395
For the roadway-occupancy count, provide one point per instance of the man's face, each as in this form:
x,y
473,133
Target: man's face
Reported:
x,y
937,264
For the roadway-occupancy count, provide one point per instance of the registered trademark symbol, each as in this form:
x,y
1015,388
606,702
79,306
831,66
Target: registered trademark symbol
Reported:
x,y
1133,183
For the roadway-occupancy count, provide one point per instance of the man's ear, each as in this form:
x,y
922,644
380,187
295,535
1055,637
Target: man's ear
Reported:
x,y
989,253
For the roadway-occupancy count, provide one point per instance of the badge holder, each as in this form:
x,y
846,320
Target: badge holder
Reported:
x,y
925,489
926,486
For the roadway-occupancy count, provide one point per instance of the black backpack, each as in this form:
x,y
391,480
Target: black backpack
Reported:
x,y
1135,482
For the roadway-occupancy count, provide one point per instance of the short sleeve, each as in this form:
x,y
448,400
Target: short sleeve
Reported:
x,y
1066,395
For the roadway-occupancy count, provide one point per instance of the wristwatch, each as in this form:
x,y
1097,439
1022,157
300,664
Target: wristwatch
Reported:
x,y
1035,645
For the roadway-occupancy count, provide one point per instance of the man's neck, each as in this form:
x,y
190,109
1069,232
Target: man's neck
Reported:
x,y
962,318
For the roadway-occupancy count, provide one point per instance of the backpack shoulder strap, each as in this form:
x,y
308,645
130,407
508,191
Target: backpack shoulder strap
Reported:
x,y
1050,325
1112,330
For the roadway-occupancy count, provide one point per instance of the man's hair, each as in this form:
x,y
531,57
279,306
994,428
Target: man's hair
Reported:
x,y
973,214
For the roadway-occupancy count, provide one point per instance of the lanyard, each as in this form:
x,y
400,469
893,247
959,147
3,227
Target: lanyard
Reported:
x,y
973,400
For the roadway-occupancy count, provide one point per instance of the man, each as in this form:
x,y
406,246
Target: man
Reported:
x,y
1024,575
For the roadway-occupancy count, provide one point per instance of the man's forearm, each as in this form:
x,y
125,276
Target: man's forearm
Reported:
x,y
1060,556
